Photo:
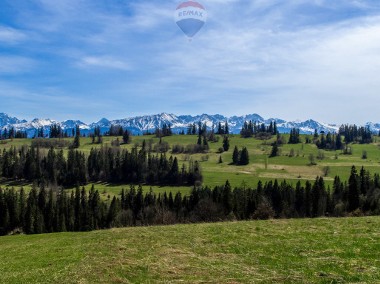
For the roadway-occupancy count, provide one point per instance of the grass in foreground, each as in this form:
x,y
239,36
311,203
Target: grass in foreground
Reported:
x,y
285,251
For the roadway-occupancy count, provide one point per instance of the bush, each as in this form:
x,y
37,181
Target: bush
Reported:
x,y
321,155
161,147
115,143
364,155
195,148
50,143
178,149
264,211
292,153
312,160
204,158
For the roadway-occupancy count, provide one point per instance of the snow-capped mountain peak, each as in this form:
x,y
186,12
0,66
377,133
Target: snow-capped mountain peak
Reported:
x,y
141,124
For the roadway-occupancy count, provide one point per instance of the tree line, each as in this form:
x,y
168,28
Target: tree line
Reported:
x,y
250,129
106,164
45,210
12,133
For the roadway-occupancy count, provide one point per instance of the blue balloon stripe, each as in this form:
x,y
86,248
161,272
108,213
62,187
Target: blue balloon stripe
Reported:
x,y
190,26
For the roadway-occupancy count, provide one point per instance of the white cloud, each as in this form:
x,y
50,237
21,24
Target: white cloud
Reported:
x,y
249,55
104,62
10,35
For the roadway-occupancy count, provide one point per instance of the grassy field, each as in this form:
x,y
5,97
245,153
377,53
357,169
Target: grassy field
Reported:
x,y
276,251
261,167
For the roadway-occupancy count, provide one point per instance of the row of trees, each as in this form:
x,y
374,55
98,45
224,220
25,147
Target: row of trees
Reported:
x,y
45,211
329,142
294,137
251,129
165,130
107,164
201,129
12,133
240,157
353,133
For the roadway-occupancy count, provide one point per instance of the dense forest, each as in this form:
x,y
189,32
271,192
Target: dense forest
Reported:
x,y
106,164
45,210
49,208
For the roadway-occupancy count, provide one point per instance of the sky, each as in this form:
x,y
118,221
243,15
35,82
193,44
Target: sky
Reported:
x,y
293,59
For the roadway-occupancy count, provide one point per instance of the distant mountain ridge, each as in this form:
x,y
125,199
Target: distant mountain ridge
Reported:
x,y
140,124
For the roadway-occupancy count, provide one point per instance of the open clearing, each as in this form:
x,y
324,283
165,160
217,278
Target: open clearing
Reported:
x,y
276,251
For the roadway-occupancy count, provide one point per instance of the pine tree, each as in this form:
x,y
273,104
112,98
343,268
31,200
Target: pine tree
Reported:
x,y
294,137
31,211
76,143
199,142
316,136
205,143
227,198
353,190
235,156
274,151
226,128
126,137
112,212
244,157
226,143
220,130
338,142
275,131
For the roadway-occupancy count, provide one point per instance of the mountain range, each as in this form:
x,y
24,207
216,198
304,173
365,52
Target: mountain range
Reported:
x,y
139,124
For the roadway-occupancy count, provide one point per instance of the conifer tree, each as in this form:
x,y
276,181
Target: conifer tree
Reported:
x,y
126,137
226,128
235,156
353,190
226,143
76,143
274,151
244,157
220,159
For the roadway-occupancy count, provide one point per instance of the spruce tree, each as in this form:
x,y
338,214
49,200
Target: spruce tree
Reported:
x,y
353,190
220,159
226,128
226,143
244,157
126,137
235,156
274,151
76,143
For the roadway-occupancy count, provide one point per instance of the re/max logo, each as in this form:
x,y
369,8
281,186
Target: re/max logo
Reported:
x,y
190,13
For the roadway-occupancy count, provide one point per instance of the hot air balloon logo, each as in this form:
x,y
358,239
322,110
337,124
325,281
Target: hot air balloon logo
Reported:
x,y
190,16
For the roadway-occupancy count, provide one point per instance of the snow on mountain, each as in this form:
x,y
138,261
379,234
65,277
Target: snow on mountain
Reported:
x,y
306,127
374,127
71,124
140,124
7,120
34,124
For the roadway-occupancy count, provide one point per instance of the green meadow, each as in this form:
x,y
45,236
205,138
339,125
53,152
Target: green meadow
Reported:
x,y
330,250
293,168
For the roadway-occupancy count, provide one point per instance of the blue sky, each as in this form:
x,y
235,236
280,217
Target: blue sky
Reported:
x,y
294,59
